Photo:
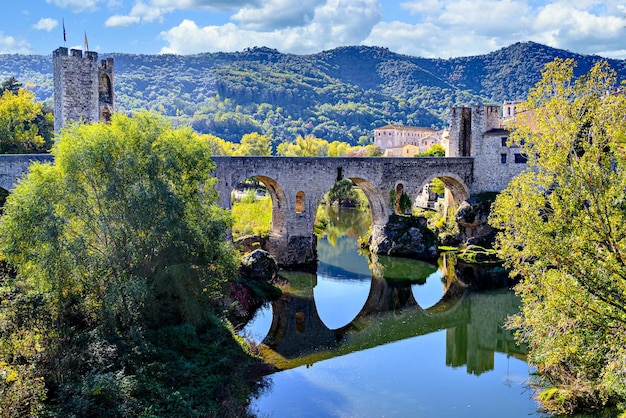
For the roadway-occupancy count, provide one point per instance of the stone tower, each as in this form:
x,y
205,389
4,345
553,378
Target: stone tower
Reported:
x,y
83,90
477,132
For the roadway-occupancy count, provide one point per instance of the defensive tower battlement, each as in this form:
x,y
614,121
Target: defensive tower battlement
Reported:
x,y
83,90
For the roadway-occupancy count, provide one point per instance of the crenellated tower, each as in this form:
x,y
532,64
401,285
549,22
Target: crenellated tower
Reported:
x,y
83,89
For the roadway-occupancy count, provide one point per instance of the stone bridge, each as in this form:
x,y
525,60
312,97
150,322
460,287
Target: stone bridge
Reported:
x,y
14,166
298,184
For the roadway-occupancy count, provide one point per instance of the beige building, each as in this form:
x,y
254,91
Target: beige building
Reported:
x,y
399,136
408,150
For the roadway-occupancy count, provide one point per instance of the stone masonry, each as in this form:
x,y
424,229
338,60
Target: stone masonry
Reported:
x,y
83,90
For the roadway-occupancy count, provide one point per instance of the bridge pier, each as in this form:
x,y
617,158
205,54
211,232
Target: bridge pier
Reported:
x,y
292,250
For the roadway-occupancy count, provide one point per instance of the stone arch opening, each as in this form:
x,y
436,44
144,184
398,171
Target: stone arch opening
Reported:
x,y
440,190
279,204
263,200
300,202
105,115
105,89
4,193
378,208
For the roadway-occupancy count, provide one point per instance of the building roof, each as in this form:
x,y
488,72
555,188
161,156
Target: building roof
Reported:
x,y
497,131
406,128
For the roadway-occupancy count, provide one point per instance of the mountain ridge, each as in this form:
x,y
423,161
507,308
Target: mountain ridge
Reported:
x,y
338,94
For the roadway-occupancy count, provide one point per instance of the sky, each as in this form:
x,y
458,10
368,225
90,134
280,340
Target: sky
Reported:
x,y
423,28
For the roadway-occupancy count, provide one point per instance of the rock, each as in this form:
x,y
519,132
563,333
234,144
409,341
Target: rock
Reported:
x,y
405,236
472,218
259,265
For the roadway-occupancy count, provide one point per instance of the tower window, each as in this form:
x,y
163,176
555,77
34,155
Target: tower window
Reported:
x,y
503,158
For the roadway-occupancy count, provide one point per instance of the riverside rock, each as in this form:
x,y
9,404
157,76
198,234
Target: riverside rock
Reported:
x,y
259,265
407,236
472,218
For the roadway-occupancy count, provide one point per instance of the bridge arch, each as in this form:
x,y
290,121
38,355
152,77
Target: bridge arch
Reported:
x,y
279,202
456,190
378,205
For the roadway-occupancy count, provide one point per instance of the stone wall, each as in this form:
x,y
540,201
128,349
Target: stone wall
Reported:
x,y
14,166
477,132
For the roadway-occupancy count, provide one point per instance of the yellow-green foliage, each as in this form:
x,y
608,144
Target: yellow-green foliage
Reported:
x,y
563,228
119,251
252,216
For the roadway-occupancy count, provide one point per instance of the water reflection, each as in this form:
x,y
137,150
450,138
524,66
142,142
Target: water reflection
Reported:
x,y
356,315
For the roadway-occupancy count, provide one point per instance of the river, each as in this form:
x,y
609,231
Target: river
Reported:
x,y
394,338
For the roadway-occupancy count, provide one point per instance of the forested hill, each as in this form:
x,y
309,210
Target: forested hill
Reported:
x,y
341,94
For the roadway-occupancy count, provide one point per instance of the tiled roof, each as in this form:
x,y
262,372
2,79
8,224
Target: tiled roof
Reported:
x,y
406,128
497,131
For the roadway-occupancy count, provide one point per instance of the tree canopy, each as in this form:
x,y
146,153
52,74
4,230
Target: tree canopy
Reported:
x,y
563,230
119,250
25,125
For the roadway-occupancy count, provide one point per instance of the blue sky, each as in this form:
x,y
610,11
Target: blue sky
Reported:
x,y
425,28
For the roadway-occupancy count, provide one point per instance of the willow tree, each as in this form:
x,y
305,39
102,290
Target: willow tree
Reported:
x,y
563,230
119,249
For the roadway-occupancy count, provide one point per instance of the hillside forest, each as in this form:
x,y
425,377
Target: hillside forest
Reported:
x,y
337,95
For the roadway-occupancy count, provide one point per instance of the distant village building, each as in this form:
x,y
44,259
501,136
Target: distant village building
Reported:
x,y
405,141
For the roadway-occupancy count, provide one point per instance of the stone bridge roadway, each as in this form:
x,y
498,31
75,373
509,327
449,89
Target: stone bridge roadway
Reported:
x,y
297,185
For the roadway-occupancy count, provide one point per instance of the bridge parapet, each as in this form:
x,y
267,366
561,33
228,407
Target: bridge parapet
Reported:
x,y
14,166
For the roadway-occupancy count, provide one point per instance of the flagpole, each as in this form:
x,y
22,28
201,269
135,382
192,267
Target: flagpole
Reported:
x,y
64,36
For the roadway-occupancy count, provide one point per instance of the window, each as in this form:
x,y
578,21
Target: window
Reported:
x,y
520,159
300,202
504,140
503,158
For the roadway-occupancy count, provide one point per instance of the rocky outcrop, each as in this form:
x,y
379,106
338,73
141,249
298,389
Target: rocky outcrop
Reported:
x,y
259,265
407,236
472,219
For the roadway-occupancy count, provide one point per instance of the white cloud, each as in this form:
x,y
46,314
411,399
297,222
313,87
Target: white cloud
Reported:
x,y
46,24
568,27
451,28
215,5
12,45
277,14
119,21
422,7
76,6
332,24
140,13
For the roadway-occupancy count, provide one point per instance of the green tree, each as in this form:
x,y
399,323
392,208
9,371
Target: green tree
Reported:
x,y
436,150
25,125
563,225
308,146
254,144
119,250
218,145
11,84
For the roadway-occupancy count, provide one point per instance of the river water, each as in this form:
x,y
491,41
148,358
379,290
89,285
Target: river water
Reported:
x,y
389,338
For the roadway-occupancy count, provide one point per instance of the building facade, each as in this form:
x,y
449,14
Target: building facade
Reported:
x,y
478,132
395,137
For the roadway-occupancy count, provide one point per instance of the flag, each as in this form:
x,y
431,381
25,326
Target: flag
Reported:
x,y
86,42
64,37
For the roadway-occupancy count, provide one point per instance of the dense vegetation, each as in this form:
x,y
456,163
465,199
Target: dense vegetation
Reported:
x,y
337,95
119,258
26,126
564,232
